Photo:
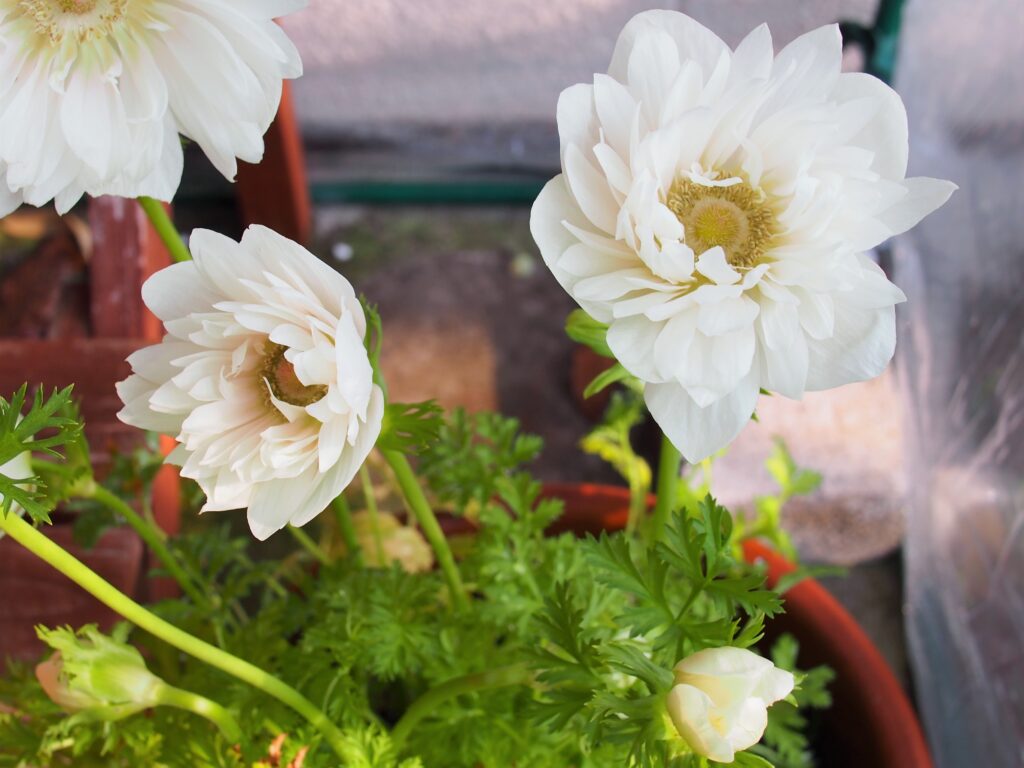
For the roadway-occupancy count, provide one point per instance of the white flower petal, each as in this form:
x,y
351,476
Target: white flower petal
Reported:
x,y
748,724
335,481
694,41
631,340
713,265
775,685
690,710
860,348
577,125
924,195
590,190
753,57
651,71
700,432
616,111
176,292
553,212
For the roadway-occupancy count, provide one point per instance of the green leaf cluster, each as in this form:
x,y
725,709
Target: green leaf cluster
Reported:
x,y
786,742
596,623
50,423
613,632
471,454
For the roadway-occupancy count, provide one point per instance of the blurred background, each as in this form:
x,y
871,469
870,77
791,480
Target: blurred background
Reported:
x,y
408,156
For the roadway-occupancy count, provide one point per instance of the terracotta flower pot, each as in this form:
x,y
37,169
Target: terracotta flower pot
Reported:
x,y
871,723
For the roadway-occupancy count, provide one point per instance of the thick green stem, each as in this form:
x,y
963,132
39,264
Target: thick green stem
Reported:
x,y
152,536
516,674
668,485
169,696
107,594
343,515
307,543
428,522
165,228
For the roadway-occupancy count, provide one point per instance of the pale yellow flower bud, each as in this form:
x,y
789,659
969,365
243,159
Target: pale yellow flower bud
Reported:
x,y
391,542
720,701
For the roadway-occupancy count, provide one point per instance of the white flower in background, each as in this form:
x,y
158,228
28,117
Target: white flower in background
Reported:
x,y
263,377
714,208
385,541
93,93
720,701
18,468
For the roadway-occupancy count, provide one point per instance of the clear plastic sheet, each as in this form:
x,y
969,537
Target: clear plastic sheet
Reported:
x,y
961,362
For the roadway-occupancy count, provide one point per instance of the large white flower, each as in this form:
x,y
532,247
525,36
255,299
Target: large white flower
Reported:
x,y
263,377
719,703
714,208
93,93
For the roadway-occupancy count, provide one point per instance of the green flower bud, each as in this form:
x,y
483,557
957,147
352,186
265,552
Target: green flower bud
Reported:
x,y
91,672
98,677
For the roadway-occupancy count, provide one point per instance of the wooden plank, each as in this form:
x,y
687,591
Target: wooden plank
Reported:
x,y
126,251
92,365
275,192
37,594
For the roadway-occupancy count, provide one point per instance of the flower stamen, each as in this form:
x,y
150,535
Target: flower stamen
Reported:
x,y
734,217
284,383
83,19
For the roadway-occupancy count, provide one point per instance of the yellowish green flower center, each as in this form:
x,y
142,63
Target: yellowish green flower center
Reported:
x,y
735,217
83,20
77,6
284,383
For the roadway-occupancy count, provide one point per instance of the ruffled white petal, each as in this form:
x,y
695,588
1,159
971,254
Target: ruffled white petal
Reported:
x,y
700,432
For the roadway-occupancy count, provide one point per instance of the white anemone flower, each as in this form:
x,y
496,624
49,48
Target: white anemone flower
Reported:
x,y
719,703
94,93
714,210
263,377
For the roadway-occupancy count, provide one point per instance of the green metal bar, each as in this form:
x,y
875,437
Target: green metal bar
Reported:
x,y
880,42
886,32
477,192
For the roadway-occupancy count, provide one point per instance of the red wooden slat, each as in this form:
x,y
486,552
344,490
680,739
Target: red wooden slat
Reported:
x,y
275,193
34,593
126,251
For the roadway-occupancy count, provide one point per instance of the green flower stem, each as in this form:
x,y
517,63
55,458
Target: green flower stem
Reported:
x,y
169,696
371,508
638,493
668,485
165,228
343,515
307,543
428,522
152,536
107,594
516,674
